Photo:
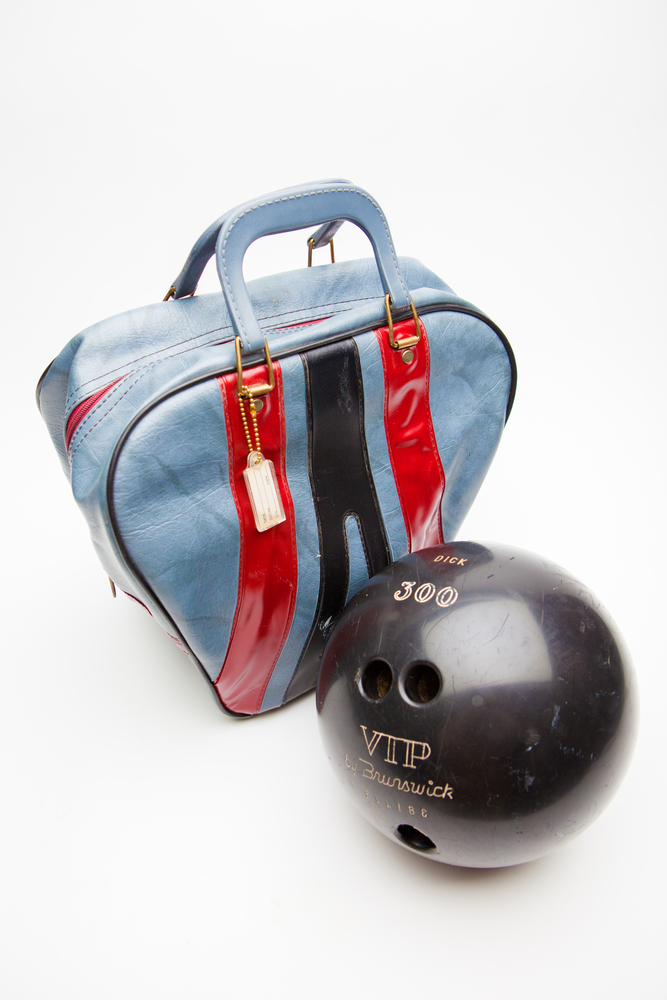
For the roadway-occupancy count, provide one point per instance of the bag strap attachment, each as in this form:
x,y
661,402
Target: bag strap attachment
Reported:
x,y
299,208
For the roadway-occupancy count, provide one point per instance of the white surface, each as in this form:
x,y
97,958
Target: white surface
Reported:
x,y
150,847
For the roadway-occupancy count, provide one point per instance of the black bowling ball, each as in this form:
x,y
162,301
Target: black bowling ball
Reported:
x,y
478,704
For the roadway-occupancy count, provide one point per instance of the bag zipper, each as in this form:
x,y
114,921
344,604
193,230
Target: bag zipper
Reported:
x,y
83,408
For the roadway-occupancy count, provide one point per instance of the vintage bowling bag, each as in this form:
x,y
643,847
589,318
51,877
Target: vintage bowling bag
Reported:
x,y
247,459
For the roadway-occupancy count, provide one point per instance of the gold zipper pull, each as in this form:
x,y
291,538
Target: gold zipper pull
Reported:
x,y
260,474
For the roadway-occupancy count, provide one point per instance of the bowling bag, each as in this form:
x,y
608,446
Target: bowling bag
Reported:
x,y
246,460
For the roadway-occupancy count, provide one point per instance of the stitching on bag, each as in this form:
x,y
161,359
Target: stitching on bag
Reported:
x,y
331,310
77,433
89,416
145,371
149,355
106,412
293,197
321,305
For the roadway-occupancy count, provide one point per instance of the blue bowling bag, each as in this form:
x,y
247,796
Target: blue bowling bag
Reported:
x,y
246,460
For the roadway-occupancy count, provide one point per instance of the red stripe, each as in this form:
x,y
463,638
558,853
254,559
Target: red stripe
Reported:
x,y
413,450
268,562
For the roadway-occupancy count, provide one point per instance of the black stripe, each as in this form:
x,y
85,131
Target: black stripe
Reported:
x,y
342,485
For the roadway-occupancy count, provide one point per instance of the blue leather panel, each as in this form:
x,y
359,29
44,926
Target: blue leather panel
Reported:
x,y
178,519
376,441
298,209
307,535
470,380
356,556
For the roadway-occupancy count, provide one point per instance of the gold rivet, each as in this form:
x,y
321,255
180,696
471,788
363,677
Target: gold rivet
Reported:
x,y
407,356
259,405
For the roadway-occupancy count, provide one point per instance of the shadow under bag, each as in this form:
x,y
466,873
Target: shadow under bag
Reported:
x,y
247,460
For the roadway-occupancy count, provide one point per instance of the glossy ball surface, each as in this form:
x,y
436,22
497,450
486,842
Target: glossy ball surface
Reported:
x,y
478,704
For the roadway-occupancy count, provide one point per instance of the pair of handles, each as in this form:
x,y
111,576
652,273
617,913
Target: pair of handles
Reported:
x,y
294,208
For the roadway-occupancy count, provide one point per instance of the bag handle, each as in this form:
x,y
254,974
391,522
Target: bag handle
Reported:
x,y
299,208
186,282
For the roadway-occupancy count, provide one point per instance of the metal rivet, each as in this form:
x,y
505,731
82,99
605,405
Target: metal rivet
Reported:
x,y
259,405
407,356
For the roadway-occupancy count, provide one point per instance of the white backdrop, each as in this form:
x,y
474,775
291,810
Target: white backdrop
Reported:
x,y
150,847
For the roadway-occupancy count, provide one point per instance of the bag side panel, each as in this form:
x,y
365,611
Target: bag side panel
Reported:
x,y
471,378
176,516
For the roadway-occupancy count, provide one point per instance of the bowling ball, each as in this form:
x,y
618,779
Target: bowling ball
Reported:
x,y
478,704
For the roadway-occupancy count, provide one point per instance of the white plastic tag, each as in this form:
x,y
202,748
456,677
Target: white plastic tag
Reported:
x,y
260,479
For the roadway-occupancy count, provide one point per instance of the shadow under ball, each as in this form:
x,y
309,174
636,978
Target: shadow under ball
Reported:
x,y
478,704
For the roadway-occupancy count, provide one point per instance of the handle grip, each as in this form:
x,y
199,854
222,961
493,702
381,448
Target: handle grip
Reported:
x,y
298,208
187,281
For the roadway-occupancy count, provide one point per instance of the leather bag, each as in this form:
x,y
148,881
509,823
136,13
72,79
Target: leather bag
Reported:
x,y
247,459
